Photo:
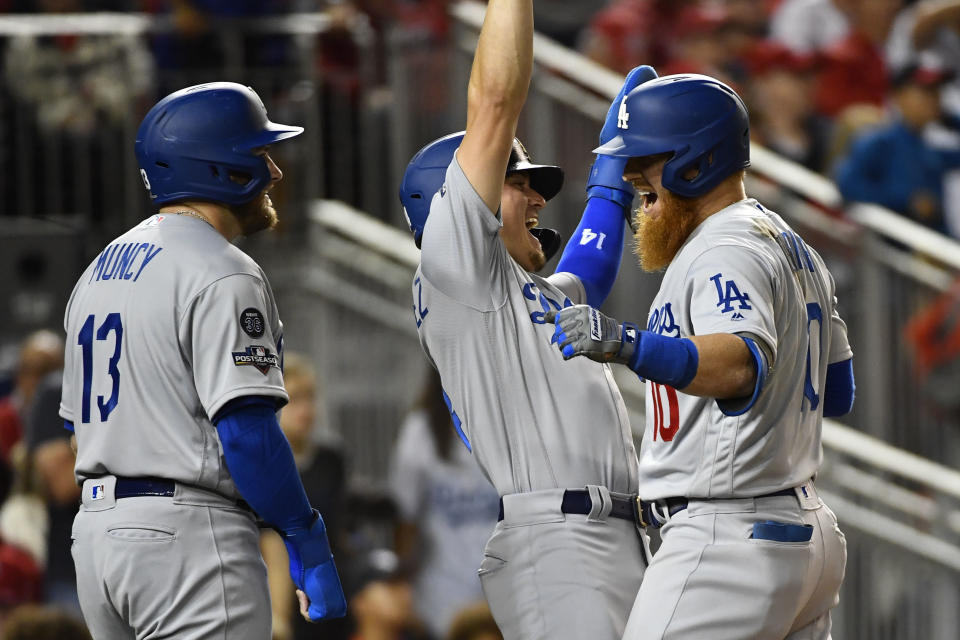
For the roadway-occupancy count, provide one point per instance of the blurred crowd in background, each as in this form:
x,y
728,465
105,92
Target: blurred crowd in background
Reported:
x,y
865,92
862,91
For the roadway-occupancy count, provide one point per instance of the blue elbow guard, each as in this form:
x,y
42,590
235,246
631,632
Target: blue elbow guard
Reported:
x,y
737,407
839,389
261,464
665,360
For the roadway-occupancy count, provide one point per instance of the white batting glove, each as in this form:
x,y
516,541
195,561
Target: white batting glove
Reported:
x,y
581,330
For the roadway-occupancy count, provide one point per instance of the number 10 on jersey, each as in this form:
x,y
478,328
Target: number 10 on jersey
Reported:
x,y
666,411
111,324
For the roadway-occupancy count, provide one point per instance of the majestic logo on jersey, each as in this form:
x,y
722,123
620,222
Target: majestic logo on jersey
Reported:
x,y
256,356
728,294
622,116
252,322
532,292
662,321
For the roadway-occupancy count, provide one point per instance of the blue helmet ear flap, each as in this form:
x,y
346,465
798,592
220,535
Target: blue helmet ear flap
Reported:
x,y
423,178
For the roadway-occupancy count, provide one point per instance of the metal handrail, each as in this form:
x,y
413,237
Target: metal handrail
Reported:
x,y
116,23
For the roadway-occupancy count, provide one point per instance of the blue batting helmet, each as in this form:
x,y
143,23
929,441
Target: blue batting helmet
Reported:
x,y
427,169
698,119
190,143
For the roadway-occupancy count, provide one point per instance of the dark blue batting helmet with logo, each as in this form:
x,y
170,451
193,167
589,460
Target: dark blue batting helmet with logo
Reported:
x,y
197,143
702,122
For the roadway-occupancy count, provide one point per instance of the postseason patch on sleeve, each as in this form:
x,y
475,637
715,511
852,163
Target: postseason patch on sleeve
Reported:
x,y
252,322
257,356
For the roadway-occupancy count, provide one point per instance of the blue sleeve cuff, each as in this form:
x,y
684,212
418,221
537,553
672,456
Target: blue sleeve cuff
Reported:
x,y
261,464
68,425
736,407
839,389
595,248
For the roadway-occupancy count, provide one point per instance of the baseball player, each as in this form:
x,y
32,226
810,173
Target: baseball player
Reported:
x,y
566,557
171,384
744,353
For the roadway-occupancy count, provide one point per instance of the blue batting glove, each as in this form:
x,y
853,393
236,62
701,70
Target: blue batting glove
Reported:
x,y
313,570
606,174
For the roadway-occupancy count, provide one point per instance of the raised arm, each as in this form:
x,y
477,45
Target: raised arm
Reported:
x,y
495,95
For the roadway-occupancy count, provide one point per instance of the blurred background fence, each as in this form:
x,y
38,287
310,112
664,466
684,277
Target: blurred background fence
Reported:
x,y
341,262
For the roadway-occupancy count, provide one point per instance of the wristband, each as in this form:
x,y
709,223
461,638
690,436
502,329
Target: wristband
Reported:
x,y
666,360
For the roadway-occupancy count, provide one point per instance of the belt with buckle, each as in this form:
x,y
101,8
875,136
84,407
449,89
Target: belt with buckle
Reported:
x,y
656,513
579,501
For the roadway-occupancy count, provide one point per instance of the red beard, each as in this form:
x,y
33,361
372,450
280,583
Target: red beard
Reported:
x,y
657,240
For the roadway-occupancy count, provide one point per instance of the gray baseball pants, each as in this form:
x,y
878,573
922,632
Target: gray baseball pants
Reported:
x,y
712,579
153,567
550,575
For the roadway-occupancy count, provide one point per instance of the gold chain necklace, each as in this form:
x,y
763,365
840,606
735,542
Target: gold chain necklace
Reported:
x,y
188,212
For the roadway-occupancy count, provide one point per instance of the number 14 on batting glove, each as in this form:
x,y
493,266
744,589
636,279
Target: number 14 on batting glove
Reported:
x,y
313,570
581,330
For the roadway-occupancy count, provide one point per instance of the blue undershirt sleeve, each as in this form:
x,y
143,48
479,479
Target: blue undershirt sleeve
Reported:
x,y
68,425
260,462
594,251
839,389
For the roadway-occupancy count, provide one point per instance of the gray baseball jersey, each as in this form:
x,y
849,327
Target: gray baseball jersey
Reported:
x,y
744,271
164,327
532,420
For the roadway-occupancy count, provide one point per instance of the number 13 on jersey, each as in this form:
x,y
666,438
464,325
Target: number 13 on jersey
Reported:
x,y
89,340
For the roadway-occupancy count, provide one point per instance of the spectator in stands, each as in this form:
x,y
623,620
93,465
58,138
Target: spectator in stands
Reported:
x,y
71,96
697,43
808,26
322,471
379,598
447,509
20,575
474,622
782,115
52,458
853,70
43,623
626,33
40,353
928,32
893,165
213,34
